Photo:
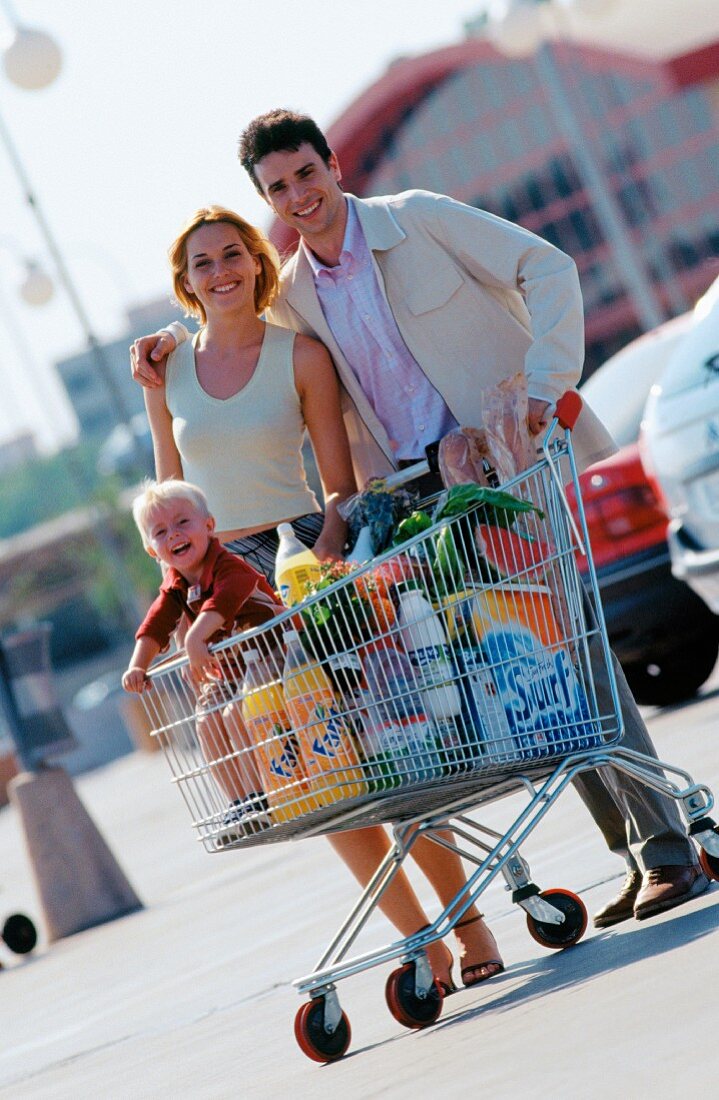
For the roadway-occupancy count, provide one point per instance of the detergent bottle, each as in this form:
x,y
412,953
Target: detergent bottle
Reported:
x,y
277,755
295,566
327,752
425,642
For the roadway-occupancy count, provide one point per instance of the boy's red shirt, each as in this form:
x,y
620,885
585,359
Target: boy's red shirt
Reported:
x,y
228,585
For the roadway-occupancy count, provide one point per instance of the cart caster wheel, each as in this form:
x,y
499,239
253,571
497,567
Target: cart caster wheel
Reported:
x,y
314,1041
404,1004
560,935
709,864
19,933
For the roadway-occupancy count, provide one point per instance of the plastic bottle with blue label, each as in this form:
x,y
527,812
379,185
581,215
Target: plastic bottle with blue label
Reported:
x,y
264,714
327,753
426,644
399,738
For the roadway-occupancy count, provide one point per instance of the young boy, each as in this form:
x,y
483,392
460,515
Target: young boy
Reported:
x,y
219,594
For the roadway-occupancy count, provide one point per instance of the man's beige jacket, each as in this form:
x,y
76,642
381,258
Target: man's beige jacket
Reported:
x,y
475,298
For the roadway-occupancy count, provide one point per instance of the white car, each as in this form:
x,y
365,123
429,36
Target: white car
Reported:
x,y
662,632
680,441
618,390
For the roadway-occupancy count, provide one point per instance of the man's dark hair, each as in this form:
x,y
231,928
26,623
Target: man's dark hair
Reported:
x,y
279,131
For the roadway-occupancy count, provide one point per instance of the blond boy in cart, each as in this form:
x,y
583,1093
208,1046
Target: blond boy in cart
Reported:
x,y
219,594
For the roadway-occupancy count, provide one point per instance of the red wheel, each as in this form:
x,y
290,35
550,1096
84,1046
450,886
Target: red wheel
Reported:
x,y
19,933
560,935
404,1004
709,864
314,1040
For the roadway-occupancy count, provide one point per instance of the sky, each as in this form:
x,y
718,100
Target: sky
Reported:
x,y
141,128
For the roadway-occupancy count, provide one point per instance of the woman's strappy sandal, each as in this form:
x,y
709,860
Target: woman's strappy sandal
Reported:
x,y
470,967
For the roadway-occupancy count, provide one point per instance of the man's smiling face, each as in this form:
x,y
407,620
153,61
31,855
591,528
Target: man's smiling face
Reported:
x,y
303,191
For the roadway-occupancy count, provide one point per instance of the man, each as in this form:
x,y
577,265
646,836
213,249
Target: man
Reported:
x,y
423,302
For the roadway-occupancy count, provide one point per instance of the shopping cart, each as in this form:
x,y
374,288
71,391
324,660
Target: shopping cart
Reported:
x,y
466,664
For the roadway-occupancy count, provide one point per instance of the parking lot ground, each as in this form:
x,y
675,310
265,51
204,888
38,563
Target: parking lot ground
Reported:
x,y
192,996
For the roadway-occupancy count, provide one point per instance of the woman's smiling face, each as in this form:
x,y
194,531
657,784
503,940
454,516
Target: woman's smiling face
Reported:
x,y
221,273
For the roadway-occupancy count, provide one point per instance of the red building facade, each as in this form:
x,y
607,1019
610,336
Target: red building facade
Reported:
x,y
470,123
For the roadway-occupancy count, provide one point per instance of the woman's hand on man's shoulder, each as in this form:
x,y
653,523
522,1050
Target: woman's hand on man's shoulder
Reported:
x,y
148,358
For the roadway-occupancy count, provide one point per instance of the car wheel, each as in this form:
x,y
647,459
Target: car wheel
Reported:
x,y
674,678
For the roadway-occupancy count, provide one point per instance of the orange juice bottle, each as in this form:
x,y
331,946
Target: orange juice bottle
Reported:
x,y
264,714
326,750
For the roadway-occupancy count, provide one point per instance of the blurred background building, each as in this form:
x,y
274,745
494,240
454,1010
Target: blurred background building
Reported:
x,y
86,391
482,127
16,451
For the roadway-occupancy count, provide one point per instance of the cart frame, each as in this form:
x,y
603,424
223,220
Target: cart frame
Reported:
x,y
425,809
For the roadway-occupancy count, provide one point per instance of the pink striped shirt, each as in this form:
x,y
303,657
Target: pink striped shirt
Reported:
x,y
361,322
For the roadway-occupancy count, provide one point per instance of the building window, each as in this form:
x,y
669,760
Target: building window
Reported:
x,y
699,113
78,384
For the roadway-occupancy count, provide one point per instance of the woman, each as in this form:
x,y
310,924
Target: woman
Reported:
x,y
231,419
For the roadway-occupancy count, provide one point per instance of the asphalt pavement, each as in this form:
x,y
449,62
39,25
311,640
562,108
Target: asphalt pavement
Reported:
x,y
192,996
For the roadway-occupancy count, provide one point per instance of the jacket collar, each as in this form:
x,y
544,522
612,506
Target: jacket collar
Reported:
x,y
380,229
381,232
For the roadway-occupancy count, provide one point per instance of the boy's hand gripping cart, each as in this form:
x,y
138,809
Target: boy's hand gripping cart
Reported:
x,y
519,694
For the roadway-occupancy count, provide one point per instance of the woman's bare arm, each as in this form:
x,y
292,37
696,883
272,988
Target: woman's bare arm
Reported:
x,y
319,392
167,457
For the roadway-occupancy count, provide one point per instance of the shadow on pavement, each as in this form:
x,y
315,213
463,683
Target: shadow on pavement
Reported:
x,y
604,952
590,959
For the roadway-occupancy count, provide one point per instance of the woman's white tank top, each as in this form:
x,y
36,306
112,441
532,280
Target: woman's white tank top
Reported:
x,y
244,451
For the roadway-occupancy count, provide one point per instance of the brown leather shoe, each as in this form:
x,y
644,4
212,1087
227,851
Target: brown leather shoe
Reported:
x,y
665,887
622,906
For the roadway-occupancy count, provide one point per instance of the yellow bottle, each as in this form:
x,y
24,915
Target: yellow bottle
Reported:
x,y
264,714
328,755
295,566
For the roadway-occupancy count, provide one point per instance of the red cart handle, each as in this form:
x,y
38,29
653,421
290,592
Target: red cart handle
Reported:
x,y
568,409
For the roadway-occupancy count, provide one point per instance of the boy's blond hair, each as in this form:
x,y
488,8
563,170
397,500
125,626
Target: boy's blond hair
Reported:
x,y
161,492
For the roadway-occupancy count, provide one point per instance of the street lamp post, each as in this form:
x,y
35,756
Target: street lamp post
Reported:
x,y
32,61
519,32
36,289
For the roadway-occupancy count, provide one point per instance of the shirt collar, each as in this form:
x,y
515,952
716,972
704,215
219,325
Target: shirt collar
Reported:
x,y
174,579
352,256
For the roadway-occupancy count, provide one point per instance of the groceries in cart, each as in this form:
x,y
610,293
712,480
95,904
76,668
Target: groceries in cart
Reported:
x,y
292,720
471,599
449,643
499,451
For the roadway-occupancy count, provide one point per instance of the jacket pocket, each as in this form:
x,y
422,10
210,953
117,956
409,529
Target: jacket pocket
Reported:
x,y
433,290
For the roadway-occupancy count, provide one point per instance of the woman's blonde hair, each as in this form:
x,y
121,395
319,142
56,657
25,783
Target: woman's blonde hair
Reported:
x,y
254,240
164,492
